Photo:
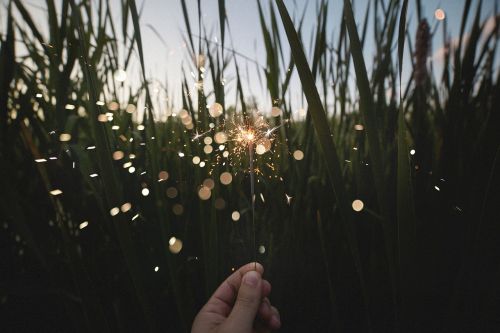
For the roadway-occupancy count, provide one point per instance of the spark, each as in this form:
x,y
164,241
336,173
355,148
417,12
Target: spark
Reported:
x,y
288,199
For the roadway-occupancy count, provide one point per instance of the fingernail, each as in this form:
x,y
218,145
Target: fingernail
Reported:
x,y
251,278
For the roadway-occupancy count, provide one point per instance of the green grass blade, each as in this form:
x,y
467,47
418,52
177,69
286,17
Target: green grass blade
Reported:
x,y
324,136
407,233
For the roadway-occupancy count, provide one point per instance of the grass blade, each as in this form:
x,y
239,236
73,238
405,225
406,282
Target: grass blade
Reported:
x,y
324,136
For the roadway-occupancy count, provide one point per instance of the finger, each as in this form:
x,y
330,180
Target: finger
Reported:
x,y
266,288
224,297
275,321
265,311
247,302
269,315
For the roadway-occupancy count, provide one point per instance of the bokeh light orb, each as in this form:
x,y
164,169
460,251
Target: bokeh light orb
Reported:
x,y
215,110
358,205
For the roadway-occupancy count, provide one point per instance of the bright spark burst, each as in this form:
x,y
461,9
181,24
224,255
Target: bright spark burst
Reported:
x,y
247,135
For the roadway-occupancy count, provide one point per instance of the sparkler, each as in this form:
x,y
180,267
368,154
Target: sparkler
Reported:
x,y
250,135
253,131
242,137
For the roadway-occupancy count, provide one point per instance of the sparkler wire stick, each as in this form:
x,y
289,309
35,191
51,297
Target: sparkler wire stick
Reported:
x,y
252,194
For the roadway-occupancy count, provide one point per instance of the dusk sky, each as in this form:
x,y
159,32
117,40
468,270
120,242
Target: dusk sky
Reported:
x,y
164,61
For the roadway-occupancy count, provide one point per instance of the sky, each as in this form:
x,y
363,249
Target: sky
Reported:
x,y
166,61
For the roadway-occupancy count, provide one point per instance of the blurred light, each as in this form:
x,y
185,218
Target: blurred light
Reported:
x,y
157,268
40,160
412,152
112,106
163,175
359,127
220,137
215,110
298,155
357,205
120,75
130,108
276,112
177,209
208,149
196,160
114,211
220,203
207,140
102,118
172,192
118,155
83,224
140,127
64,137
262,249
56,192
126,207
209,182
226,178
204,193
69,107
235,216
260,149
175,245
439,14
145,192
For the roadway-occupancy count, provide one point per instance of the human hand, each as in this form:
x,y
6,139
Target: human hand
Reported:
x,y
239,305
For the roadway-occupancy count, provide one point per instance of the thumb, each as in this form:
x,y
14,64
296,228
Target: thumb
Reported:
x,y
247,303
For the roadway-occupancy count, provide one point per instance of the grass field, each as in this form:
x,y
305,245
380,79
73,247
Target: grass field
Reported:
x,y
122,211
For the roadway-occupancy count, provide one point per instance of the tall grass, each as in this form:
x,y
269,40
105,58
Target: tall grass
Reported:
x,y
421,249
